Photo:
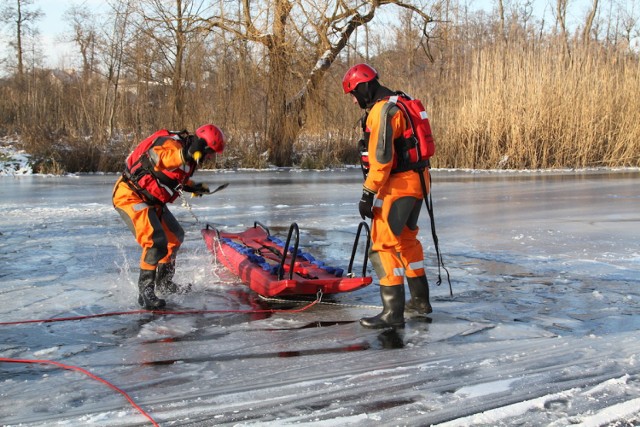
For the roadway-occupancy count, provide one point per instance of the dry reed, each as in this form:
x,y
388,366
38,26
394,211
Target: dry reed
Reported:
x,y
543,109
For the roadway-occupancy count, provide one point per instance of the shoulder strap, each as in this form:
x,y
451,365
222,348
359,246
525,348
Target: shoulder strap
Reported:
x,y
183,134
363,121
397,100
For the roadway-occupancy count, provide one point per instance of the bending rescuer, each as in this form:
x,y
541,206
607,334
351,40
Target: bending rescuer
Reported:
x,y
157,170
392,196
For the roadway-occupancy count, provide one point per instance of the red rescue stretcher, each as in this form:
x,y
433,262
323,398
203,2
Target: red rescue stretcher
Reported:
x,y
272,267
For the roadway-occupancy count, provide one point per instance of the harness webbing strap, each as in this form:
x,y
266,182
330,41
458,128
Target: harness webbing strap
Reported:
x,y
144,166
428,201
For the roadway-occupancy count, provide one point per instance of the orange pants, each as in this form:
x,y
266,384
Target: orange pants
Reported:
x,y
395,249
155,228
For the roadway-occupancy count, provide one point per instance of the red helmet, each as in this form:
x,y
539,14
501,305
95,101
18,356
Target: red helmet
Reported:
x,y
213,136
357,74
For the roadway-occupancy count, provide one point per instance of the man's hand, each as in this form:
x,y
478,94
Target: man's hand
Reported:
x,y
199,189
366,204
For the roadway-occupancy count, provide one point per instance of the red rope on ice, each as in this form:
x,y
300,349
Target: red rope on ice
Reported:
x,y
185,312
84,371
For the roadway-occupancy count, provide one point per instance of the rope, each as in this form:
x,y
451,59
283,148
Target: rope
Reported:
x,y
89,374
339,304
186,205
165,312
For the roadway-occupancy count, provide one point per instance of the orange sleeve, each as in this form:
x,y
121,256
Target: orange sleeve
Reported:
x,y
386,123
168,155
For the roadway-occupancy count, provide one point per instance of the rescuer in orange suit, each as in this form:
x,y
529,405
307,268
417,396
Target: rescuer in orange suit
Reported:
x,y
391,198
156,172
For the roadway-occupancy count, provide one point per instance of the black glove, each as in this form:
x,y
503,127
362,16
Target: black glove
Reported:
x,y
200,189
366,204
197,190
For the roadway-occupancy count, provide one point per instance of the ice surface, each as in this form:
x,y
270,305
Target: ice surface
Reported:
x,y
542,328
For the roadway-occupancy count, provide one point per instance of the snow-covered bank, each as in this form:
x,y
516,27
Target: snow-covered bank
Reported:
x,y
12,160
16,162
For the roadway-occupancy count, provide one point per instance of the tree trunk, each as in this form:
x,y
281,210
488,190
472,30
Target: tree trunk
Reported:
x,y
177,78
586,33
19,50
283,127
284,122
561,10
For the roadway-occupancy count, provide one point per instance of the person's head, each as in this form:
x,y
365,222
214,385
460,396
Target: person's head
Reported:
x,y
208,139
361,81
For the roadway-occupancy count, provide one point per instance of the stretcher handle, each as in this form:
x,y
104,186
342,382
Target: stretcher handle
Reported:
x,y
362,225
264,227
292,228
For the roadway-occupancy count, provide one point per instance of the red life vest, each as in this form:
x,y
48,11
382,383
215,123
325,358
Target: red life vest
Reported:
x,y
421,145
415,147
156,186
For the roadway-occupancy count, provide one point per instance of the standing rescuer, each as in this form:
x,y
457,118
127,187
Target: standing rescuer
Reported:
x,y
157,170
392,197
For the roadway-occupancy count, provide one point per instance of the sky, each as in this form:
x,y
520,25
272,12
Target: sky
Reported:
x,y
60,54
53,28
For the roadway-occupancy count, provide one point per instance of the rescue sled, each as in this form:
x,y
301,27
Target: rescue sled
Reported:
x,y
272,267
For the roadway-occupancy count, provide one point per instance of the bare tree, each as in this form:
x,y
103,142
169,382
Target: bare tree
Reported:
x,y
561,19
22,19
588,25
629,23
114,54
503,29
302,39
174,25
84,35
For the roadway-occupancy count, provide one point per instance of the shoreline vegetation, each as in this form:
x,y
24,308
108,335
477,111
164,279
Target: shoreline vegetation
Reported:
x,y
502,92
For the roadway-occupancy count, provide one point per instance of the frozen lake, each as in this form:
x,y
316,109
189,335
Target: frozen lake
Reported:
x,y
542,328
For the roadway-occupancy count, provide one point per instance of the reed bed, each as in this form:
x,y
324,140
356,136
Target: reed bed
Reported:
x,y
542,108
494,105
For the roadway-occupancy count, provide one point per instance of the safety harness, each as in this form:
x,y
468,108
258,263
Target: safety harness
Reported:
x,y
156,187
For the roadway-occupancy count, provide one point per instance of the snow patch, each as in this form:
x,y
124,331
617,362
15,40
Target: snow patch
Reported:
x,y
46,351
12,161
485,389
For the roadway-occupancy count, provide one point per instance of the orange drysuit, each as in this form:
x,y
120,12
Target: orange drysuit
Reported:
x,y
395,250
141,199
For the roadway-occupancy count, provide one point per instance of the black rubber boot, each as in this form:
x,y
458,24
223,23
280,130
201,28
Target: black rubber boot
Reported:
x,y
419,289
164,276
147,297
164,280
392,309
